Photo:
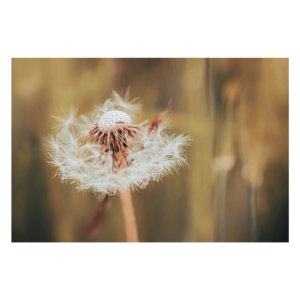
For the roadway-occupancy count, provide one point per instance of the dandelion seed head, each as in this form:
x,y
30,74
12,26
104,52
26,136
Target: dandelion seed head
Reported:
x,y
108,153
113,120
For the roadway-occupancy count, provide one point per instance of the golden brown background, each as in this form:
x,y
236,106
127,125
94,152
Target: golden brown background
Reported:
x,y
236,111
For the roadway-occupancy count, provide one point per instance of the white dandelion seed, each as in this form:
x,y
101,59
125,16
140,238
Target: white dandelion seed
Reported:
x,y
63,123
106,153
130,106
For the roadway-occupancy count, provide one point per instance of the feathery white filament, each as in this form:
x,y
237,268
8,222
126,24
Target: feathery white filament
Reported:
x,y
152,157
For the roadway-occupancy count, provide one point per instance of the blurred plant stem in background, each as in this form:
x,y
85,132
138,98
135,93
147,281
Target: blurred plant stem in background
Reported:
x,y
257,92
253,214
236,111
200,123
221,166
97,217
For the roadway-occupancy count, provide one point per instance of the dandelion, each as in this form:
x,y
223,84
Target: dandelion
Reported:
x,y
113,155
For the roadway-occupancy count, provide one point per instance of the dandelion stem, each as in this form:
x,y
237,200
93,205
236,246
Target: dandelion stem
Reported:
x,y
129,217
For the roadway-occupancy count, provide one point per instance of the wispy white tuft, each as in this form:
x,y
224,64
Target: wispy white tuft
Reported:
x,y
63,123
155,155
116,102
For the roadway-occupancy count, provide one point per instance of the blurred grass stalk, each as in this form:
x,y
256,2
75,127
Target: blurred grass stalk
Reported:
x,y
257,92
97,217
253,213
220,203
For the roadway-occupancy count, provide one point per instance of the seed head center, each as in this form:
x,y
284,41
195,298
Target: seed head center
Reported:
x,y
113,120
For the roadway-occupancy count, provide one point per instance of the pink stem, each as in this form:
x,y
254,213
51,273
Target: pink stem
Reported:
x,y
129,217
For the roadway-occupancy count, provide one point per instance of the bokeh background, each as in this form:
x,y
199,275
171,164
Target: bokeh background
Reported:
x,y
236,111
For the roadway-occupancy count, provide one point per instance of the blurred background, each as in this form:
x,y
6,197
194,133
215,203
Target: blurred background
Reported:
x,y
236,111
